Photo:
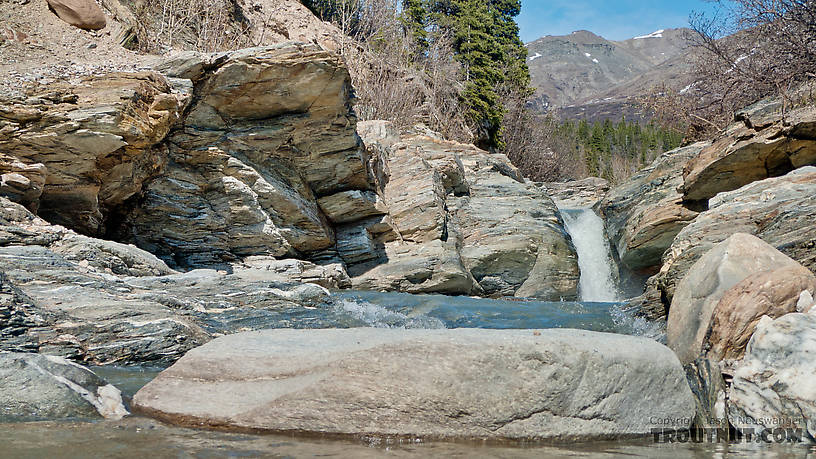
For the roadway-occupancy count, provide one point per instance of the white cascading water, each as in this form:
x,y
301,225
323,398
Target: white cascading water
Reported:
x,y
597,282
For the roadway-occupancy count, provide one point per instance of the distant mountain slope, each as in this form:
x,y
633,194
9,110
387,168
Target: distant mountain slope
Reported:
x,y
586,75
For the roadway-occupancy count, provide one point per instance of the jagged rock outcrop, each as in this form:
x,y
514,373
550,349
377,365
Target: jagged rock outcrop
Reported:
x,y
86,146
777,210
454,384
36,387
460,221
763,143
270,131
255,153
700,292
645,213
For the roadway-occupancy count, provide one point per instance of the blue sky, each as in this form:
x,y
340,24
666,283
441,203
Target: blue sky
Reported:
x,y
614,20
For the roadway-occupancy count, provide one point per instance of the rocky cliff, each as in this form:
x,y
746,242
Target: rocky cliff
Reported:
x,y
238,159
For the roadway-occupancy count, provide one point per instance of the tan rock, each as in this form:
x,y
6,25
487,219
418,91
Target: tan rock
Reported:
x,y
97,141
698,294
770,293
350,206
85,14
751,151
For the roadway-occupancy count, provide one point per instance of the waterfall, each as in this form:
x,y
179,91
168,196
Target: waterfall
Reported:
x,y
597,281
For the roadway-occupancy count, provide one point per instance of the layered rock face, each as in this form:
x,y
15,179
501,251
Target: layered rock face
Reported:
x,y
256,153
81,148
104,302
763,143
645,213
778,210
460,384
270,132
460,220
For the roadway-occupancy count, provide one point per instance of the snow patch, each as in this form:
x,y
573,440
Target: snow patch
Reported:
x,y
655,34
537,55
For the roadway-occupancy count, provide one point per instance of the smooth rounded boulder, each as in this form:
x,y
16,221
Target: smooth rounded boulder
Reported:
x,y
698,294
38,387
85,14
554,384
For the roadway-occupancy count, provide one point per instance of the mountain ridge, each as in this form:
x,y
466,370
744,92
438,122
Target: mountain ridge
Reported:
x,y
584,75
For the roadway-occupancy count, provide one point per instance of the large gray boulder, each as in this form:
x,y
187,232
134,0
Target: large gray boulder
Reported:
x,y
700,291
38,387
774,384
455,384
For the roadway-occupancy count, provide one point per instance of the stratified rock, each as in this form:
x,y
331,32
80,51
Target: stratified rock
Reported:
x,y
774,383
513,238
770,293
36,387
698,294
577,194
645,213
764,143
460,221
22,182
97,141
104,302
350,206
707,385
85,14
271,131
778,210
460,384
430,267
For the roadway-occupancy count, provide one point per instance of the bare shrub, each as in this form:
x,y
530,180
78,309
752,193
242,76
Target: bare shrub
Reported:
x,y
748,50
202,25
392,82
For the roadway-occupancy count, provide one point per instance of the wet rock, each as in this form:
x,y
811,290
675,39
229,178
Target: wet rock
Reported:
x,y
104,302
700,291
461,384
36,387
778,210
645,213
707,385
773,384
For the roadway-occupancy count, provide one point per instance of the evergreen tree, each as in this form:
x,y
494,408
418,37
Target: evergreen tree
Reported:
x,y
415,18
